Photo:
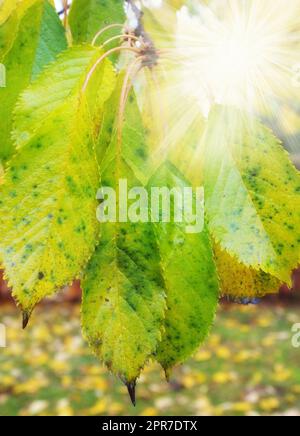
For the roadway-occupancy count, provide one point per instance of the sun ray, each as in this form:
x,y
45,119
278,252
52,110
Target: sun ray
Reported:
x,y
235,53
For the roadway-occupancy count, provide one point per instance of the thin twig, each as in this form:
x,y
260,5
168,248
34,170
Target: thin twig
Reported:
x,y
101,59
140,32
123,36
111,26
65,9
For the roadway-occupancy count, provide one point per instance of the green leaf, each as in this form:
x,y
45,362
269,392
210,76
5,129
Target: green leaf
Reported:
x,y
29,40
87,17
252,193
67,77
123,295
108,121
48,201
191,280
8,28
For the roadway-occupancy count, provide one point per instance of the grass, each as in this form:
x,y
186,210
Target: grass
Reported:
x,y
247,367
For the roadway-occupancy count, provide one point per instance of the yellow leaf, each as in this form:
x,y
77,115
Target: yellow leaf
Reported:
x,y
149,411
223,353
242,407
238,280
269,404
222,378
203,356
99,408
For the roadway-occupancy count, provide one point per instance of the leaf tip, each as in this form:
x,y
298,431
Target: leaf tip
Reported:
x,y
168,373
131,387
25,319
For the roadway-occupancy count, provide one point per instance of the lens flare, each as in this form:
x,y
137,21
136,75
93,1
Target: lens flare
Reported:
x,y
242,53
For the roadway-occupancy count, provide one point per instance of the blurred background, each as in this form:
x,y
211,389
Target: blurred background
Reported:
x,y
247,367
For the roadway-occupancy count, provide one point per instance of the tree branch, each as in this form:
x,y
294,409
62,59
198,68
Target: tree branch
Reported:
x,y
63,11
150,52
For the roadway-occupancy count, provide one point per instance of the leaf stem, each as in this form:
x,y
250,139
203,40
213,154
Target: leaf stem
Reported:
x,y
123,36
102,58
65,12
111,26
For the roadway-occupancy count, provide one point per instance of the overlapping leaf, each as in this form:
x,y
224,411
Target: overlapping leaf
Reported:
x,y
124,300
31,37
190,276
236,279
87,17
252,194
240,281
48,200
